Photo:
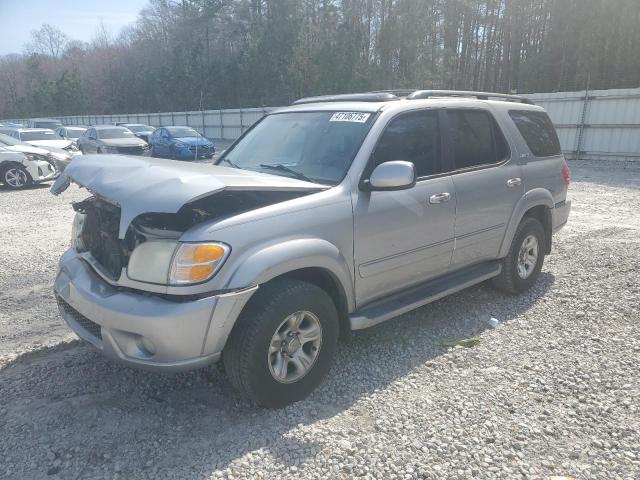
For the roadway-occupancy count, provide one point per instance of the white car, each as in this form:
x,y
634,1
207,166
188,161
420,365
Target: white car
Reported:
x,y
43,137
60,158
19,170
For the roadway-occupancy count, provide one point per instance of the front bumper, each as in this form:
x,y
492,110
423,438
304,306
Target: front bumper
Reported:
x,y
561,215
141,329
189,153
42,171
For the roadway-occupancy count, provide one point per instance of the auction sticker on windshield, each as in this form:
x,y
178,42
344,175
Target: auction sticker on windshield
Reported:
x,y
357,117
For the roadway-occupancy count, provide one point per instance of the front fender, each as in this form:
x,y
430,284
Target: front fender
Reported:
x,y
270,261
533,198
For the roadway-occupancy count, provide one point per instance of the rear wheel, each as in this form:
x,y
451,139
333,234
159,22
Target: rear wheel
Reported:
x,y
16,177
283,343
522,266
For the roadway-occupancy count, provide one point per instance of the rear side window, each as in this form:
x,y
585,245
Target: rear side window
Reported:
x,y
476,139
413,137
537,130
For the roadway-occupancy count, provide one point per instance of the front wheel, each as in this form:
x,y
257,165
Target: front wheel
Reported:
x,y
522,266
283,343
16,177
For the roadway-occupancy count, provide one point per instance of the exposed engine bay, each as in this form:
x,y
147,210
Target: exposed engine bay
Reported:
x,y
99,235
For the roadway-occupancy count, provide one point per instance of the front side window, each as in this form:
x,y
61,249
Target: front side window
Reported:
x,y
476,139
413,137
318,146
537,130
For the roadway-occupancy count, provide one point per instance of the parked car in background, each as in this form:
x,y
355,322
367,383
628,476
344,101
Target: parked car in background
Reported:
x,y
71,132
139,130
180,143
50,123
331,215
58,157
45,138
112,139
19,170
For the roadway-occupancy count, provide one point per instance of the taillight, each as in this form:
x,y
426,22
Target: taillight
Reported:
x,y
566,176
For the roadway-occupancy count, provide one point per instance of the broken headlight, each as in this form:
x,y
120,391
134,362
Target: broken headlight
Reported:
x,y
174,263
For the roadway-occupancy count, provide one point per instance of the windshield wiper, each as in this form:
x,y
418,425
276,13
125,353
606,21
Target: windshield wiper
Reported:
x,y
283,168
234,165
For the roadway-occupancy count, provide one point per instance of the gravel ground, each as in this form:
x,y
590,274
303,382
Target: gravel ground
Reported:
x,y
553,390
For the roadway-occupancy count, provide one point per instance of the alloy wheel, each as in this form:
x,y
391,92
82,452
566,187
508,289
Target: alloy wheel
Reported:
x,y
295,346
15,178
527,256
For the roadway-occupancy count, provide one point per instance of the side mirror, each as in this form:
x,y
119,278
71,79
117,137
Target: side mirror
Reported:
x,y
394,175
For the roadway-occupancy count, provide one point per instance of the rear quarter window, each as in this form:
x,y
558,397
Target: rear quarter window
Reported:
x,y
538,131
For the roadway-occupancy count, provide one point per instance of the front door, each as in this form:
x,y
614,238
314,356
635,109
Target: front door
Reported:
x,y
405,237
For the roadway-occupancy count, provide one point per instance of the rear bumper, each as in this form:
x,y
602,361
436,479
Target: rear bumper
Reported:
x,y
143,330
561,215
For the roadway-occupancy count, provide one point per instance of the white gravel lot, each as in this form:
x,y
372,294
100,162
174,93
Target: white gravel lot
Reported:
x,y
553,390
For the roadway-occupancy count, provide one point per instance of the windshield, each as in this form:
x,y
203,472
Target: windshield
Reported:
x,y
41,135
7,140
46,124
75,132
316,145
182,132
109,133
140,128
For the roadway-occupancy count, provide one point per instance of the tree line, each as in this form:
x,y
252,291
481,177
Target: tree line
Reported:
x,y
208,54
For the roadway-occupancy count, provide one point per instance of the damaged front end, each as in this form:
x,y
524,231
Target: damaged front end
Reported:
x,y
97,224
129,230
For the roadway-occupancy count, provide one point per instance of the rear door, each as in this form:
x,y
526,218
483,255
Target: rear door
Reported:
x,y
488,183
543,160
402,238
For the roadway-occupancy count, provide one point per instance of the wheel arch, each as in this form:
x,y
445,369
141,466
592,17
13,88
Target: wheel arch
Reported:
x,y
536,203
315,261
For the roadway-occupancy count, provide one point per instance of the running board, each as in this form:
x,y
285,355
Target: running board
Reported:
x,y
384,309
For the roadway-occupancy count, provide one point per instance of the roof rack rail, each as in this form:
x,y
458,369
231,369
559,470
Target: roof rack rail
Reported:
x,y
350,97
423,94
398,92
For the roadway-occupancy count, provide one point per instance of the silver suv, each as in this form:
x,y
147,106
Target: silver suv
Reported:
x,y
328,216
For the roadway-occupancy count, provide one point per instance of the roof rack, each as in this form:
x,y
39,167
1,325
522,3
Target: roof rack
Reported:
x,y
410,94
423,94
350,97
399,92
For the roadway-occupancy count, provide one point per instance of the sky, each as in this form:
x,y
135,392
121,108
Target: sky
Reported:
x,y
78,19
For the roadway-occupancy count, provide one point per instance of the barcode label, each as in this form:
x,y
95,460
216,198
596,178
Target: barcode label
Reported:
x,y
357,117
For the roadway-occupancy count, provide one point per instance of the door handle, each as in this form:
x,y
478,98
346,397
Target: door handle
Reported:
x,y
439,197
514,182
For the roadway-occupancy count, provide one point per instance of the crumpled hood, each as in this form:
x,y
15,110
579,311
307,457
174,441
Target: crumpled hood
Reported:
x,y
51,143
145,185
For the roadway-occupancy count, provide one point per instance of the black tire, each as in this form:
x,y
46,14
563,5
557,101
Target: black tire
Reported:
x,y
26,181
246,355
509,280
99,150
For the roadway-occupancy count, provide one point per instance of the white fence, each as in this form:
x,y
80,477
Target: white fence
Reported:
x,y
220,124
598,124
